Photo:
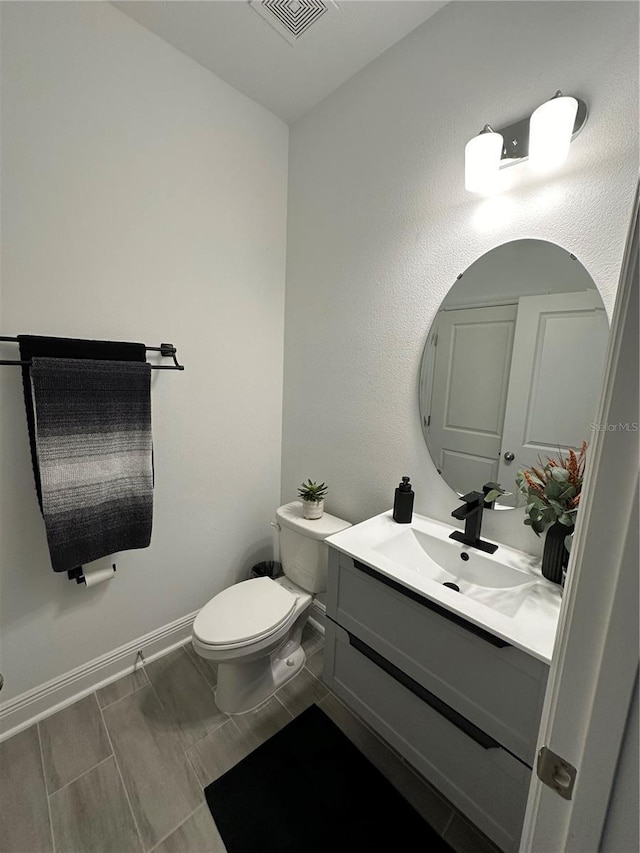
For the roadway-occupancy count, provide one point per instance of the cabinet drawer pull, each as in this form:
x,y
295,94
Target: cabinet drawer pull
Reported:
x,y
430,605
481,738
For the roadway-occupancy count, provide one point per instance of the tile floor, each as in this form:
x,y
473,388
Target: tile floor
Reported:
x,y
123,770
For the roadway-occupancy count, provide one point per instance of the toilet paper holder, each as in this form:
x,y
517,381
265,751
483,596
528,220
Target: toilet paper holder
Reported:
x,y
77,574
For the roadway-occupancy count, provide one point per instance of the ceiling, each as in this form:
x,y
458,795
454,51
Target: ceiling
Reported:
x,y
241,47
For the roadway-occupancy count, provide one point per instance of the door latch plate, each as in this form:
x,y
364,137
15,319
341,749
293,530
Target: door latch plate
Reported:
x,y
556,773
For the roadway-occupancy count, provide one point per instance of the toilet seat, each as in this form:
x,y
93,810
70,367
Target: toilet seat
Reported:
x,y
244,613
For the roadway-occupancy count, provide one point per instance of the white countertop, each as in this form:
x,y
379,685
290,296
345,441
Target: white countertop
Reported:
x,y
535,600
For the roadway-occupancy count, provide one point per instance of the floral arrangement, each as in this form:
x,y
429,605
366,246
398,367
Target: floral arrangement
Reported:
x,y
553,489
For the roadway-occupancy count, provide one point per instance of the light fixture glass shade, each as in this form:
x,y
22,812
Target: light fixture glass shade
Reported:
x,y
550,131
482,156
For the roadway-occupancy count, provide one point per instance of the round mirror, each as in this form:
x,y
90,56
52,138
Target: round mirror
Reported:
x,y
513,365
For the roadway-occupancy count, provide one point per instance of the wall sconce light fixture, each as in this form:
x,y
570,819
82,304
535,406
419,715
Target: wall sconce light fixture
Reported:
x,y
543,139
482,156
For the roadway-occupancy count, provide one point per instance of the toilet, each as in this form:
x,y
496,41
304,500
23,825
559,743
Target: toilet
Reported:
x,y
253,629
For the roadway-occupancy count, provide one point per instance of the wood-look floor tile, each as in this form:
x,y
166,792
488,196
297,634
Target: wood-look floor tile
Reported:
x,y
312,640
358,733
158,777
303,690
122,687
218,752
207,669
186,695
257,726
426,801
24,812
463,837
315,663
92,815
433,808
73,741
198,834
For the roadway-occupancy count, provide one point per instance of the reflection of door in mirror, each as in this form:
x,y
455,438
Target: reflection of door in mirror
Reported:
x,y
550,404
512,366
505,385
471,362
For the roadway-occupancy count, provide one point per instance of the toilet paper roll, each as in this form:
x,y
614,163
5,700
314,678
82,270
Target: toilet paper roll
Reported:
x,y
95,576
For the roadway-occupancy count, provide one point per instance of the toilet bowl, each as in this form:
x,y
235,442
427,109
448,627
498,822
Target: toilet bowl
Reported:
x,y
253,630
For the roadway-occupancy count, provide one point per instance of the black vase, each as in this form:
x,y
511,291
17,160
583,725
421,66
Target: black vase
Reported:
x,y
555,556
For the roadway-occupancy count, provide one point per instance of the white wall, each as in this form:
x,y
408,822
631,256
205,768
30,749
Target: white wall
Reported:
x,y
379,226
142,199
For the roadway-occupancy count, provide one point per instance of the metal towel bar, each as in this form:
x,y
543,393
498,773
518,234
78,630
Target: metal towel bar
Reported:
x,y
165,350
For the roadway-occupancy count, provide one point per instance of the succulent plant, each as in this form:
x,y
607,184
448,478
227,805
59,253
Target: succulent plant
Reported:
x,y
312,492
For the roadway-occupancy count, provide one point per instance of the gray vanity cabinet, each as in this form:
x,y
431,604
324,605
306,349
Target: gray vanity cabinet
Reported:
x,y
459,704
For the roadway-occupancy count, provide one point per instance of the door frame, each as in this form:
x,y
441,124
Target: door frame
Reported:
x,y
594,666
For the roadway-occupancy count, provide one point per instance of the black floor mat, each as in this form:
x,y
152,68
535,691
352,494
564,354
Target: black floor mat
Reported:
x,y
308,789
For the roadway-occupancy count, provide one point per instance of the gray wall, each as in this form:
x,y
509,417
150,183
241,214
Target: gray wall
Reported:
x,y
142,199
379,225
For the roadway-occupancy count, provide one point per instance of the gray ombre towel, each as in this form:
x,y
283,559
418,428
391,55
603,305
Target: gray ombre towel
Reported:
x,y
93,441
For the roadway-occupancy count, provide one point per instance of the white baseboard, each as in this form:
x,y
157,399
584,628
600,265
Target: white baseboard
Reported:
x,y
40,702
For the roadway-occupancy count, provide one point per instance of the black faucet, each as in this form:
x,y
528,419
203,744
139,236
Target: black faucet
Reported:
x,y
471,514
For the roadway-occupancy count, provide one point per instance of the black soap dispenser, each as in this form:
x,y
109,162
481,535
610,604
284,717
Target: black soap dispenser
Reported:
x,y
403,503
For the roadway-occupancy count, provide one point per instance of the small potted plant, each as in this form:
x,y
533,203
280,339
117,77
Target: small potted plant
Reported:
x,y
312,495
553,491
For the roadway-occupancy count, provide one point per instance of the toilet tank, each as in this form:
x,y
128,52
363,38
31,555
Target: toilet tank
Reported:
x,y
303,551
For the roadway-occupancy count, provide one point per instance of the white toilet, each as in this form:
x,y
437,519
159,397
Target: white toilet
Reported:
x,y
253,630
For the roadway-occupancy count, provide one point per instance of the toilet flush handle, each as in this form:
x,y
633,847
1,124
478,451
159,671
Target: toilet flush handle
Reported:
x,y
275,524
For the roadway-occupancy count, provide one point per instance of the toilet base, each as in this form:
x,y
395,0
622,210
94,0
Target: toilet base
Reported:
x,y
242,687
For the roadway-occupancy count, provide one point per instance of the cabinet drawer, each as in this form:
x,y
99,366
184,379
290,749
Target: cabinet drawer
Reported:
x,y
481,779
495,686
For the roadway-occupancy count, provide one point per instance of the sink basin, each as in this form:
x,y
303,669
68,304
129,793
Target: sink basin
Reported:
x,y
503,592
448,560
494,583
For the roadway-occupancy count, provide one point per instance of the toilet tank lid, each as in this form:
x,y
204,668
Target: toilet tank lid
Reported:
x,y
290,515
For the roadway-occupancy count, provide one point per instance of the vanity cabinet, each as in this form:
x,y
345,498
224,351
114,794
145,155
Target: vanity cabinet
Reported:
x,y
461,705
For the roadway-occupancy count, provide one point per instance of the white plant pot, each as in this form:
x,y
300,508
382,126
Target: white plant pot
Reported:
x,y
312,509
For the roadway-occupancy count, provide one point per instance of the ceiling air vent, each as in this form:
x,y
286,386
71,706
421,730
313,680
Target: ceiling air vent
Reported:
x,y
292,18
